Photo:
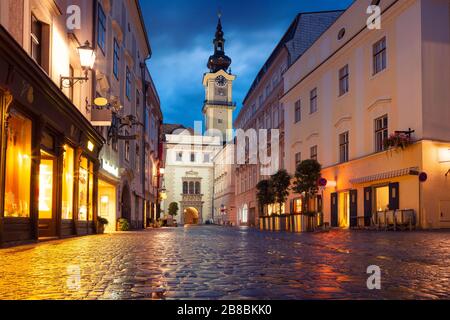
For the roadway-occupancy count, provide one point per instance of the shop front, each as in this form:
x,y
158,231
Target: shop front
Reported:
x,y
108,186
49,152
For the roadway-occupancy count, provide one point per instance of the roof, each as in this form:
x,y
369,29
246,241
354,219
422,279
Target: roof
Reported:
x,y
306,28
309,28
141,18
170,128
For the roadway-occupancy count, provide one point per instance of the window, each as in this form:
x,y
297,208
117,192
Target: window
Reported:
x,y
185,187
343,81
191,187
343,147
116,59
382,198
68,181
276,119
85,190
36,40
197,188
298,207
219,121
314,153
127,148
298,158
261,101
138,99
179,156
18,167
101,28
298,111
267,90
206,158
379,56
341,34
137,159
381,132
192,157
313,101
128,84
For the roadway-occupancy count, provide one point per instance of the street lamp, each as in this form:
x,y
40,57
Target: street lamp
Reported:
x,y
87,56
87,61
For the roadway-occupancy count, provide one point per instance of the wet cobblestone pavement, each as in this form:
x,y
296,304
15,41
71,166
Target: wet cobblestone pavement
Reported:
x,y
227,263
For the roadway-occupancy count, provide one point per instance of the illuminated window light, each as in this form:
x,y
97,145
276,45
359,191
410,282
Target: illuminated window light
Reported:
x,y
90,146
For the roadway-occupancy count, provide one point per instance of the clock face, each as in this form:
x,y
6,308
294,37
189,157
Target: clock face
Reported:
x,y
221,81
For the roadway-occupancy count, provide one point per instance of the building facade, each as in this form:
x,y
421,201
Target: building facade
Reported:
x,y
225,212
189,173
74,75
153,120
191,163
374,111
263,110
123,80
49,150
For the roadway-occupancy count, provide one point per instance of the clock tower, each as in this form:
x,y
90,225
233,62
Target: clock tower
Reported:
x,y
218,82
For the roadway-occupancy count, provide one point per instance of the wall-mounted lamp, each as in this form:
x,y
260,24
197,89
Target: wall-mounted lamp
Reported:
x,y
90,146
87,61
444,155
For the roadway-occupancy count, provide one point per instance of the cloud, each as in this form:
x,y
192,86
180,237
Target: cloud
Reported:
x,y
181,34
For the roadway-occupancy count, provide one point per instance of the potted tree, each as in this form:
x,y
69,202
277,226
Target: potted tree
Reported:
x,y
306,179
264,195
173,209
123,224
101,223
280,183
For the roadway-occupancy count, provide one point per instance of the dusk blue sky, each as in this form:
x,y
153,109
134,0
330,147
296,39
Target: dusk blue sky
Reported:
x,y
181,34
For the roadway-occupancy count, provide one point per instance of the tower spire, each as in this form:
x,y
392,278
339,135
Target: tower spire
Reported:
x,y
219,61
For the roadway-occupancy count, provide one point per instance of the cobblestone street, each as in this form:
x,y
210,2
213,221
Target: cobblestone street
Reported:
x,y
224,263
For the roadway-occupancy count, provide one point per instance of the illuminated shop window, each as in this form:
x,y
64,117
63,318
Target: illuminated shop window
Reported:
x,y
86,188
382,198
298,205
18,167
67,186
274,209
46,189
91,192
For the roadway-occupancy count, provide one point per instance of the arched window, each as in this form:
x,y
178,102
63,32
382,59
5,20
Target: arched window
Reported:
x,y
197,188
191,187
185,187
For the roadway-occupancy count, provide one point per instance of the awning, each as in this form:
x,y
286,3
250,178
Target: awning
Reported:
x,y
384,176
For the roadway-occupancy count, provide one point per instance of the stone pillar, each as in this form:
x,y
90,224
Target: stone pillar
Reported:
x,y
5,101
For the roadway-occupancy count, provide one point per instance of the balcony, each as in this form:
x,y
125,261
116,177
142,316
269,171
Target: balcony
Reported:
x,y
227,104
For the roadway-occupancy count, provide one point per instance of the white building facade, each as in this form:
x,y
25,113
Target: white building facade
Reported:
x,y
356,91
188,175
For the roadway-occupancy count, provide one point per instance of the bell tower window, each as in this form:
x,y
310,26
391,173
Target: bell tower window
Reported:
x,y
220,46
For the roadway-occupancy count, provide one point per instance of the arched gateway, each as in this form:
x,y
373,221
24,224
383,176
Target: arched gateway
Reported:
x,y
191,216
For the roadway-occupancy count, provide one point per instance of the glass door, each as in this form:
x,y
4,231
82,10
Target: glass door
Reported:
x,y
47,217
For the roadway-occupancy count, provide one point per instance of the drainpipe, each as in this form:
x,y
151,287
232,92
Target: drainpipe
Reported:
x,y
143,66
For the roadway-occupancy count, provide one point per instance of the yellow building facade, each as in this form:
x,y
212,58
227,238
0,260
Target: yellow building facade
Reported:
x,y
355,93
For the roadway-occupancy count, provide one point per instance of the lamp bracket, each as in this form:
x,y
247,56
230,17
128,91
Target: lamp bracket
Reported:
x,y
69,82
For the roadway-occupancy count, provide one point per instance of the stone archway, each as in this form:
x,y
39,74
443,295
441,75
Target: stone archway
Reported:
x,y
126,202
191,216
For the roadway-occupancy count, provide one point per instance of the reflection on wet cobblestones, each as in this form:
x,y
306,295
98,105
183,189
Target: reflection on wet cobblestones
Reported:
x,y
225,263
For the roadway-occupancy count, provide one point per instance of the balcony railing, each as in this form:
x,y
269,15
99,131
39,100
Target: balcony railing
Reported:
x,y
220,103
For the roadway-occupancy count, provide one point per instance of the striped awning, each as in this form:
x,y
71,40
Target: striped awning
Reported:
x,y
384,175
